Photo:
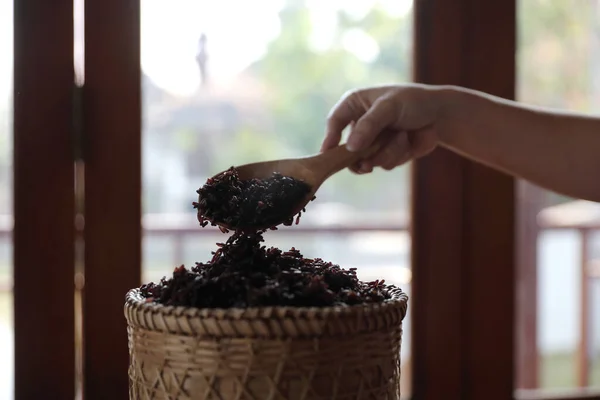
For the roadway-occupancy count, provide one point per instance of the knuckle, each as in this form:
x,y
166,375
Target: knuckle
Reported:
x,y
393,96
350,107
349,94
387,103
351,98
357,100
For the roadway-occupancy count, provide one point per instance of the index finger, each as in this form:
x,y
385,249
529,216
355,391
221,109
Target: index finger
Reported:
x,y
340,116
374,121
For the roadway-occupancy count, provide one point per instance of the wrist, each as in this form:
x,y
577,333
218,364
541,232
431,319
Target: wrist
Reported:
x,y
451,104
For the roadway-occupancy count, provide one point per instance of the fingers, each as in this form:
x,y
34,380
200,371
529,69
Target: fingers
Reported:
x,y
347,110
407,111
395,151
362,167
377,118
367,165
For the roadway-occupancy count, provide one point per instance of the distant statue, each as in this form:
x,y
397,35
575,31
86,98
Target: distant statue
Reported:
x,y
201,59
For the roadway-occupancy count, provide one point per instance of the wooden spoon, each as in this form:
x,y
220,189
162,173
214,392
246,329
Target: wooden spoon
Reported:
x,y
313,170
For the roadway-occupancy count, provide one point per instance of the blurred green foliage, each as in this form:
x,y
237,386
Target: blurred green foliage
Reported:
x,y
304,83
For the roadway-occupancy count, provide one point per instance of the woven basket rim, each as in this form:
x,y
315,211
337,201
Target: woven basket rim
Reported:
x,y
135,301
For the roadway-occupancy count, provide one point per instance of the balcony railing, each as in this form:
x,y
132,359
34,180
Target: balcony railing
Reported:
x,y
580,217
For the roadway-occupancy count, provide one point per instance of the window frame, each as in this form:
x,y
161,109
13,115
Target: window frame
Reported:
x,y
112,114
463,299
43,198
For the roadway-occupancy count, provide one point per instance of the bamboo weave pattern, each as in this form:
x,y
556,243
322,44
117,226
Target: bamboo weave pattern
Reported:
x,y
277,353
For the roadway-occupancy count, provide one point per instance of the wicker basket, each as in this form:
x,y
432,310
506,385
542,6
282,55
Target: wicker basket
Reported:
x,y
271,353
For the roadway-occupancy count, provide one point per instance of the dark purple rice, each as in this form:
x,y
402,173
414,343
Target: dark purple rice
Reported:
x,y
244,273
242,204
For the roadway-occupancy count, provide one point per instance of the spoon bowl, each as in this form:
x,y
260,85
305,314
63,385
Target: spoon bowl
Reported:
x,y
313,170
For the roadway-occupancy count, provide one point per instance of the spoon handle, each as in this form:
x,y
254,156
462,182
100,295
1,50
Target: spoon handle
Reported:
x,y
334,160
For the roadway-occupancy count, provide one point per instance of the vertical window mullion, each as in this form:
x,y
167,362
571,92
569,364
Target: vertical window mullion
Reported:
x,y
112,157
463,217
43,200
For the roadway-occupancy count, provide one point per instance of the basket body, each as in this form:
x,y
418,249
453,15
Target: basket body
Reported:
x,y
274,353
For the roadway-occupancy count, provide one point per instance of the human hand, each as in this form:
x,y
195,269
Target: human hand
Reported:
x,y
403,117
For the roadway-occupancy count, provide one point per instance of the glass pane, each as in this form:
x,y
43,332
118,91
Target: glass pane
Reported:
x,y
593,266
6,221
230,82
559,66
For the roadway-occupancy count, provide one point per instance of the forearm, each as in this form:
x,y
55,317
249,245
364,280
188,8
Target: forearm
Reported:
x,y
558,151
